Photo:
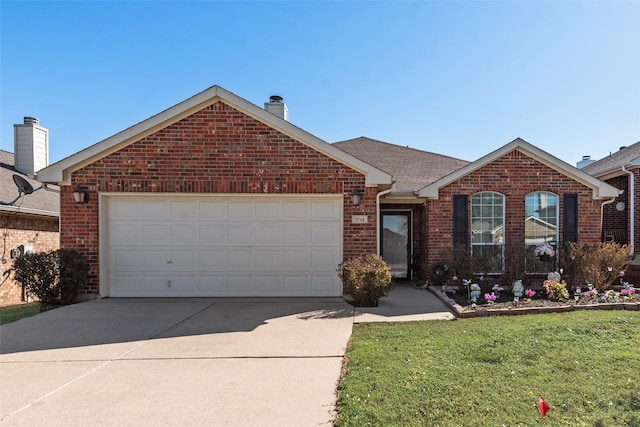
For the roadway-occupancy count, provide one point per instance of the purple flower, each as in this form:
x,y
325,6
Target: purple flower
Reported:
x,y
529,293
490,297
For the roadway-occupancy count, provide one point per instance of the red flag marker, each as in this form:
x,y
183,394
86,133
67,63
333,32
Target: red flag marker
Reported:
x,y
544,408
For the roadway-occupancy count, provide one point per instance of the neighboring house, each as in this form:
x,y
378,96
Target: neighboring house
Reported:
x,y
621,222
31,222
219,197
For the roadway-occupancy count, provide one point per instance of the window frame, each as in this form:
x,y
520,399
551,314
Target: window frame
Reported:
x,y
534,265
492,218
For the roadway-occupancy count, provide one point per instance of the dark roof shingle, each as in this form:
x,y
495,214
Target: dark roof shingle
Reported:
x,y
614,161
411,168
43,201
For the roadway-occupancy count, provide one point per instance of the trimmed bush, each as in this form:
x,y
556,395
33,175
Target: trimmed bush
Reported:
x,y
54,277
365,278
598,264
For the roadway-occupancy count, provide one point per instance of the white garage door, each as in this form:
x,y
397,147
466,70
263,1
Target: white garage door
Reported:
x,y
222,246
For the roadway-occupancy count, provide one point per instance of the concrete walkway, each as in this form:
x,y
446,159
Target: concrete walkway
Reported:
x,y
204,361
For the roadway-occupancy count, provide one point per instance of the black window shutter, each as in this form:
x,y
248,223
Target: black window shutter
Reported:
x,y
460,219
570,217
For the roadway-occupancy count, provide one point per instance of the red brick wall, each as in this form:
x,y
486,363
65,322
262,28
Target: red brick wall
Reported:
x,y
613,218
39,232
216,150
636,237
513,175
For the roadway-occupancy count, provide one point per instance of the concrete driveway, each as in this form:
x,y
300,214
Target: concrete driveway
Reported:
x,y
222,362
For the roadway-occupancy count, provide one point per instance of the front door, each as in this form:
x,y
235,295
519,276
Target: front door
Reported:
x,y
395,248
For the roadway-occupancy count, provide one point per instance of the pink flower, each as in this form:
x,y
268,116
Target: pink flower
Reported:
x,y
529,293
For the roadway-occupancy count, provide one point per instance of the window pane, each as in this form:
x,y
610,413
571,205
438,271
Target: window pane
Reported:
x,y
541,218
487,227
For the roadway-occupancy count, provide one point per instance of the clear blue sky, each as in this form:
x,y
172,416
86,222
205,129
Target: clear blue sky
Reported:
x,y
452,77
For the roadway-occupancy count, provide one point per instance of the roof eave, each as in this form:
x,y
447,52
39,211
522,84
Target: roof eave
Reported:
x,y
600,188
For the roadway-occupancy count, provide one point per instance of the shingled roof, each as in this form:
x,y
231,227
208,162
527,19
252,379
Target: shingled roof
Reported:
x,y
411,168
624,157
43,202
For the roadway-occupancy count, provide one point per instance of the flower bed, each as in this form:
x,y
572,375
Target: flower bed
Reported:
x,y
505,304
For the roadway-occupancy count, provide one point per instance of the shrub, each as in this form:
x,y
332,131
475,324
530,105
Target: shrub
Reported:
x,y
54,277
366,278
598,264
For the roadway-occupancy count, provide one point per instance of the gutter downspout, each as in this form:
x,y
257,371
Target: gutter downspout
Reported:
x,y
380,194
632,208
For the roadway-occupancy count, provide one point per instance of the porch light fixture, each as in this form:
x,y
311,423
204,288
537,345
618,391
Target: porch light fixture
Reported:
x,y
356,197
80,195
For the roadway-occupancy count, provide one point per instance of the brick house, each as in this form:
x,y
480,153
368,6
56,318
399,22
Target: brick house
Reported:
x,y
621,217
219,197
30,222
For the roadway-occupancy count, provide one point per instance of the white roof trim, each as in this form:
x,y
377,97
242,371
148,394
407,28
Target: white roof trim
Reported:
x,y
60,172
600,189
29,211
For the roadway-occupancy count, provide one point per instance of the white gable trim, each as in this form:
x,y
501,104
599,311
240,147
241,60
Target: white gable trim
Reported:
x,y
60,172
600,189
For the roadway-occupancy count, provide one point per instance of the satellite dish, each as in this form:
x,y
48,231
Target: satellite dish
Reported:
x,y
22,184
23,188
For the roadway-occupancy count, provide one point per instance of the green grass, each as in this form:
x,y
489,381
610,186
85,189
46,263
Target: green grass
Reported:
x,y
17,312
491,371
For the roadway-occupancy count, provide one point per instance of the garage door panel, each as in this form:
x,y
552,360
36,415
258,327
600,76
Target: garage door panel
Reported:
x,y
323,235
213,258
154,234
269,260
154,259
292,260
240,209
183,258
240,235
268,234
213,234
152,209
184,234
124,209
269,209
242,284
124,259
223,246
184,210
121,233
240,259
321,260
213,209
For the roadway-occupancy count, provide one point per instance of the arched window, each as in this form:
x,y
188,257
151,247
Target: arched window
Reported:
x,y
541,226
487,230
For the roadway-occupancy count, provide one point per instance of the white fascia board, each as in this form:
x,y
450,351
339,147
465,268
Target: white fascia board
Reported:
x,y
600,189
60,172
28,211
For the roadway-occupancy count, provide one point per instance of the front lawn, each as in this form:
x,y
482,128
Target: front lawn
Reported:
x,y
492,371
16,312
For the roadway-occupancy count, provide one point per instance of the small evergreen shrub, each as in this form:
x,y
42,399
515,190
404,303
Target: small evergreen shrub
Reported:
x,y
54,277
365,278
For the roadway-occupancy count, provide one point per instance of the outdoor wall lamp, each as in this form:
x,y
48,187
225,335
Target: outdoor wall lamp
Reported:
x,y
80,195
356,197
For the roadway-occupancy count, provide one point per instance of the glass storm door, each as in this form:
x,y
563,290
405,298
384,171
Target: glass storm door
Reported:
x,y
395,240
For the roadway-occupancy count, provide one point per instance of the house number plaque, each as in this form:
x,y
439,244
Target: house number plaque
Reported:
x,y
359,219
